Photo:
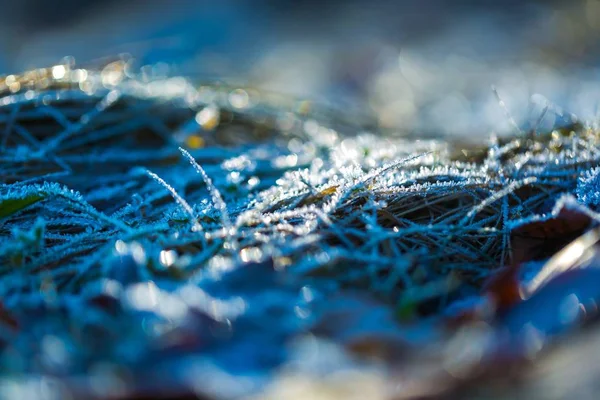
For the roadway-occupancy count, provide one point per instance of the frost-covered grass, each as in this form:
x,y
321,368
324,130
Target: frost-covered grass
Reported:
x,y
142,216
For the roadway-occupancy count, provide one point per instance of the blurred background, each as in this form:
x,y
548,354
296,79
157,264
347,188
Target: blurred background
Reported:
x,y
422,67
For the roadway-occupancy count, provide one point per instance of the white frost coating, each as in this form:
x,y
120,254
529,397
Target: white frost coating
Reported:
x,y
180,200
214,192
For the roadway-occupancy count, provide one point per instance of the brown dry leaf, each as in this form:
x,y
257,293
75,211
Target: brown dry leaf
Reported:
x,y
542,239
503,287
534,241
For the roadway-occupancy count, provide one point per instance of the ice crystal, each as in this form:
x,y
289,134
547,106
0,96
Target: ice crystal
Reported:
x,y
588,187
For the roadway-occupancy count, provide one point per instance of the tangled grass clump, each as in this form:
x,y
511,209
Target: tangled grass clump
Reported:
x,y
125,253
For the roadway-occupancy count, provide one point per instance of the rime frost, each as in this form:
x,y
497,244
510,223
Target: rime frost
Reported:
x,y
322,204
588,187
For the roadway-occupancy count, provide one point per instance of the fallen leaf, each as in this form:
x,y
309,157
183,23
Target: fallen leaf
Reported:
x,y
11,206
541,239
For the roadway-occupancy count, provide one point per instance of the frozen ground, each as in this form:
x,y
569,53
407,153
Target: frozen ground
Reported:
x,y
300,249
288,240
